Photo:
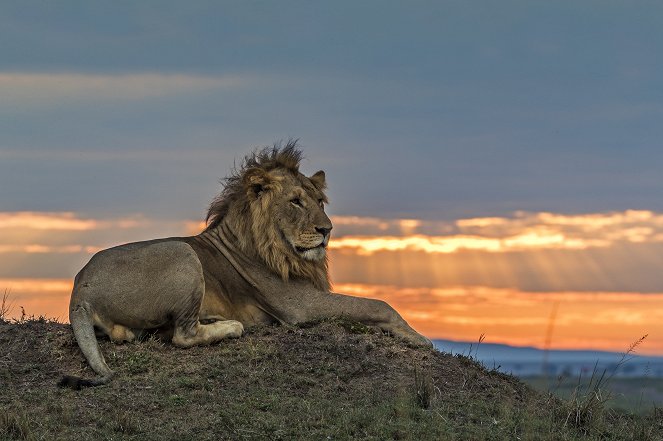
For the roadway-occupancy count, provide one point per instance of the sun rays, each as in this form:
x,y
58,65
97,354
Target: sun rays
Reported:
x,y
498,276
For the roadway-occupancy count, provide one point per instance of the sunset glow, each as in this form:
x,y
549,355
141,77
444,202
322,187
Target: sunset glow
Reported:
x,y
46,221
599,320
607,321
496,276
62,221
533,239
44,249
38,297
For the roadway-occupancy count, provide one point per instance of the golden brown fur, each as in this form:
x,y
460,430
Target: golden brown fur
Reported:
x,y
250,192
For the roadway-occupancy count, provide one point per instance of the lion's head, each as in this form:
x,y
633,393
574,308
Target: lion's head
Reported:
x,y
277,213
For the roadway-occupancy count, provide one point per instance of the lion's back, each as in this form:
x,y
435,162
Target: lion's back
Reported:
x,y
138,279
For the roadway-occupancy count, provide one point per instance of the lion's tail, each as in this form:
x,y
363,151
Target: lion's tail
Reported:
x,y
81,322
78,383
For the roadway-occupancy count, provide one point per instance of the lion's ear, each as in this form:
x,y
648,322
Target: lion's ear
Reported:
x,y
256,181
318,180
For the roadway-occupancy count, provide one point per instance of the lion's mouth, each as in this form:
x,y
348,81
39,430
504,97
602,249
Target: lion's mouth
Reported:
x,y
304,249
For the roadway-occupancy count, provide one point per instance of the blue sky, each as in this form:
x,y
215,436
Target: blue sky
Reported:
x,y
432,110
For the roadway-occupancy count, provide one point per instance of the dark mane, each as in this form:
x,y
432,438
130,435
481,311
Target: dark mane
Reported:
x,y
267,158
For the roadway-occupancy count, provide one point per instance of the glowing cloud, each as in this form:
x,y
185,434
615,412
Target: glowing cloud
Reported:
x,y
525,231
528,240
604,225
43,249
62,221
46,221
608,321
370,245
38,297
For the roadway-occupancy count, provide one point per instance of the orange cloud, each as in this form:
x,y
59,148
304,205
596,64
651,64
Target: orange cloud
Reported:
x,y
609,226
194,227
601,220
367,236
369,245
46,221
599,320
355,225
525,231
529,239
47,297
44,249
62,221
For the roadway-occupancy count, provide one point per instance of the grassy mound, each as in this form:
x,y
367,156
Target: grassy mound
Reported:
x,y
329,380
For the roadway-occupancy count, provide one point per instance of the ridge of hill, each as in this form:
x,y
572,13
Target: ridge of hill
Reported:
x,y
332,379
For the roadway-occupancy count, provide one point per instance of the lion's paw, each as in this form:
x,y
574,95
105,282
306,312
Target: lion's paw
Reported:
x,y
228,328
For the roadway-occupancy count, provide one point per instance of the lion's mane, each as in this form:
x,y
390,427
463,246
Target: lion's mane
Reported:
x,y
251,218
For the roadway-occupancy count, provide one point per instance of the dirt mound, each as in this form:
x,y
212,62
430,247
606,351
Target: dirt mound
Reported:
x,y
328,380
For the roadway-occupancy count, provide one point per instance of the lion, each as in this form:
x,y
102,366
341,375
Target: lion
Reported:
x,y
261,259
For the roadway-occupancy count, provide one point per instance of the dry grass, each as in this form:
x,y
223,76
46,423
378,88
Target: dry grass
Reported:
x,y
424,390
5,306
14,425
328,380
588,402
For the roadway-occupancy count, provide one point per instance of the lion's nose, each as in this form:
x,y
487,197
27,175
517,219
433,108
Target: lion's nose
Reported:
x,y
323,231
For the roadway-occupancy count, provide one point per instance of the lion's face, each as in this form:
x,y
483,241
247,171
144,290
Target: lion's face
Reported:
x,y
288,218
301,218
298,213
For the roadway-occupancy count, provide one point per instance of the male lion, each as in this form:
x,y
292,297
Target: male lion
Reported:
x,y
261,259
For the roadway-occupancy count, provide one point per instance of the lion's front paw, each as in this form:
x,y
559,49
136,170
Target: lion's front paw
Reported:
x,y
232,328
425,342
413,337
239,329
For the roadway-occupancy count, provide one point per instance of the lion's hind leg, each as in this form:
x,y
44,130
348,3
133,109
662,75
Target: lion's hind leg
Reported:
x,y
122,334
200,334
117,333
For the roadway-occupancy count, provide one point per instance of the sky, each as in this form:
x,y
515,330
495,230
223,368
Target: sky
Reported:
x,y
493,167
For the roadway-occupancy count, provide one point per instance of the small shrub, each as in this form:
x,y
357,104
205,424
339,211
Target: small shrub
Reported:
x,y
124,422
177,400
14,426
5,306
423,385
587,404
354,327
189,383
138,363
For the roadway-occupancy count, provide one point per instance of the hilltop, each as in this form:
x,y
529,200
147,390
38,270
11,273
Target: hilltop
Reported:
x,y
328,380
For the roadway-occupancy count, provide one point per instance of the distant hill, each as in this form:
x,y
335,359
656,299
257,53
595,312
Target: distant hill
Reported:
x,y
528,361
333,380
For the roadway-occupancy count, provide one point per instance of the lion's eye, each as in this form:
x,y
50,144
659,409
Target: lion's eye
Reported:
x,y
296,202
